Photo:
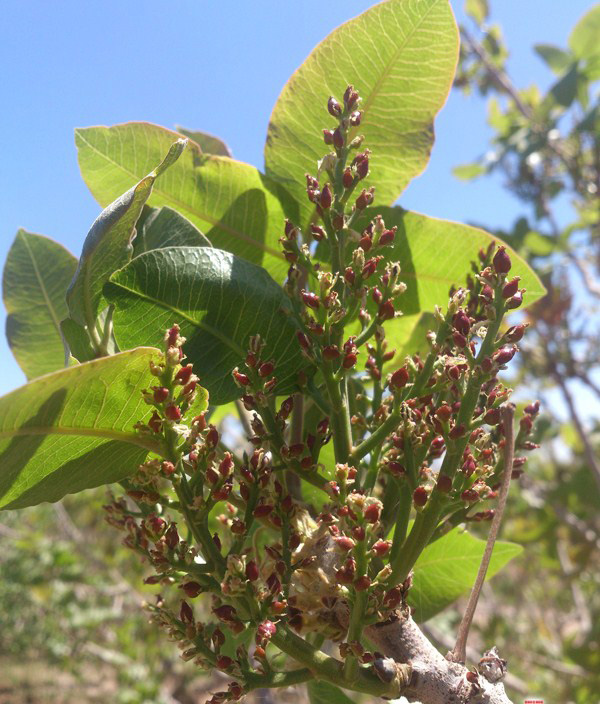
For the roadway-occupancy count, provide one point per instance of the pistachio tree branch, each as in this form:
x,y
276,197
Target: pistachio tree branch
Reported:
x,y
458,654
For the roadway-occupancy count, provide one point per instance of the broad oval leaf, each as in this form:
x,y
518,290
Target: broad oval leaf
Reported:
x,y
108,243
207,142
437,254
73,429
231,202
165,227
401,56
36,276
219,300
583,40
448,567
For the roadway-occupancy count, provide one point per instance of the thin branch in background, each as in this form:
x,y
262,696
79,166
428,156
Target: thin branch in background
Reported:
x,y
588,450
458,654
244,418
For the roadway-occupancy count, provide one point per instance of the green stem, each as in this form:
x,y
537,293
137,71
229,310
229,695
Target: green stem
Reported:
x,y
327,668
377,436
402,518
277,679
340,416
357,614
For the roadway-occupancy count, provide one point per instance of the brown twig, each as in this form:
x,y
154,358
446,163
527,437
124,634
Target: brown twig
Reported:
x,y
458,654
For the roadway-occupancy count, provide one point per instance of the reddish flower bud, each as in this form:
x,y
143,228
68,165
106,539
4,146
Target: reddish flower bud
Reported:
x,y
240,378
358,533
457,432
381,547
492,417
459,340
349,360
470,495
533,408
348,178
344,543
160,394
361,163
155,423
387,236
504,354
326,197
386,311
212,437
349,276
334,108
372,513
262,510
328,136
303,340
266,369
338,138
226,465
444,413
184,374
399,378
266,630
173,412
252,571
501,261
397,469
355,118
515,301
185,613
274,583
331,352
364,199
224,662
310,299
192,589
351,98
515,333
362,583
444,483
317,232
511,287
365,243
420,496
172,537
461,322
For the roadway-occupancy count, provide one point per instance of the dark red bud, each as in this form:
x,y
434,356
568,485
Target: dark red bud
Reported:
x,y
515,333
317,232
334,108
262,510
160,394
331,352
444,483
173,412
186,613
326,197
461,322
381,547
470,495
372,513
348,178
533,408
224,662
252,572
399,378
240,378
515,301
386,311
501,261
344,543
444,413
184,374
212,437
355,118
303,340
310,299
362,166
349,275
266,369
511,287
459,340
420,496
492,417
192,589
365,243
349,360
328,136
362,583
338,138
387,236
504,354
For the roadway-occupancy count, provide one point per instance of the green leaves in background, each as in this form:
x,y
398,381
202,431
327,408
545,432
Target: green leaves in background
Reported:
x,y
36,276
73,429
164,227
447,568
207,142
219,300
320,692
108,243
584,39
401,56
437,254
232,203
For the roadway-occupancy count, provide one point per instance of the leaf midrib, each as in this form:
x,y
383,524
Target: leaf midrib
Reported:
x,y
185,207
38,276
130,438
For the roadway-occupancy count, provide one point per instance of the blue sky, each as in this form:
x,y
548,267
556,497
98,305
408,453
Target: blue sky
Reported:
x,y
215,66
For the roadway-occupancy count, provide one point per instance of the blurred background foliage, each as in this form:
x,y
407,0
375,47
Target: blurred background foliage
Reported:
x,y
70,624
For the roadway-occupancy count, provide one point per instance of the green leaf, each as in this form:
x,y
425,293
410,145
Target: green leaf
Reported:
x,y
77,344
401,56
321,692
448,567
557,59
73,429
564,90
477,9
467,172
584,39
232,203
164,227
437,254
36,276
207,142
219,300
108,243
